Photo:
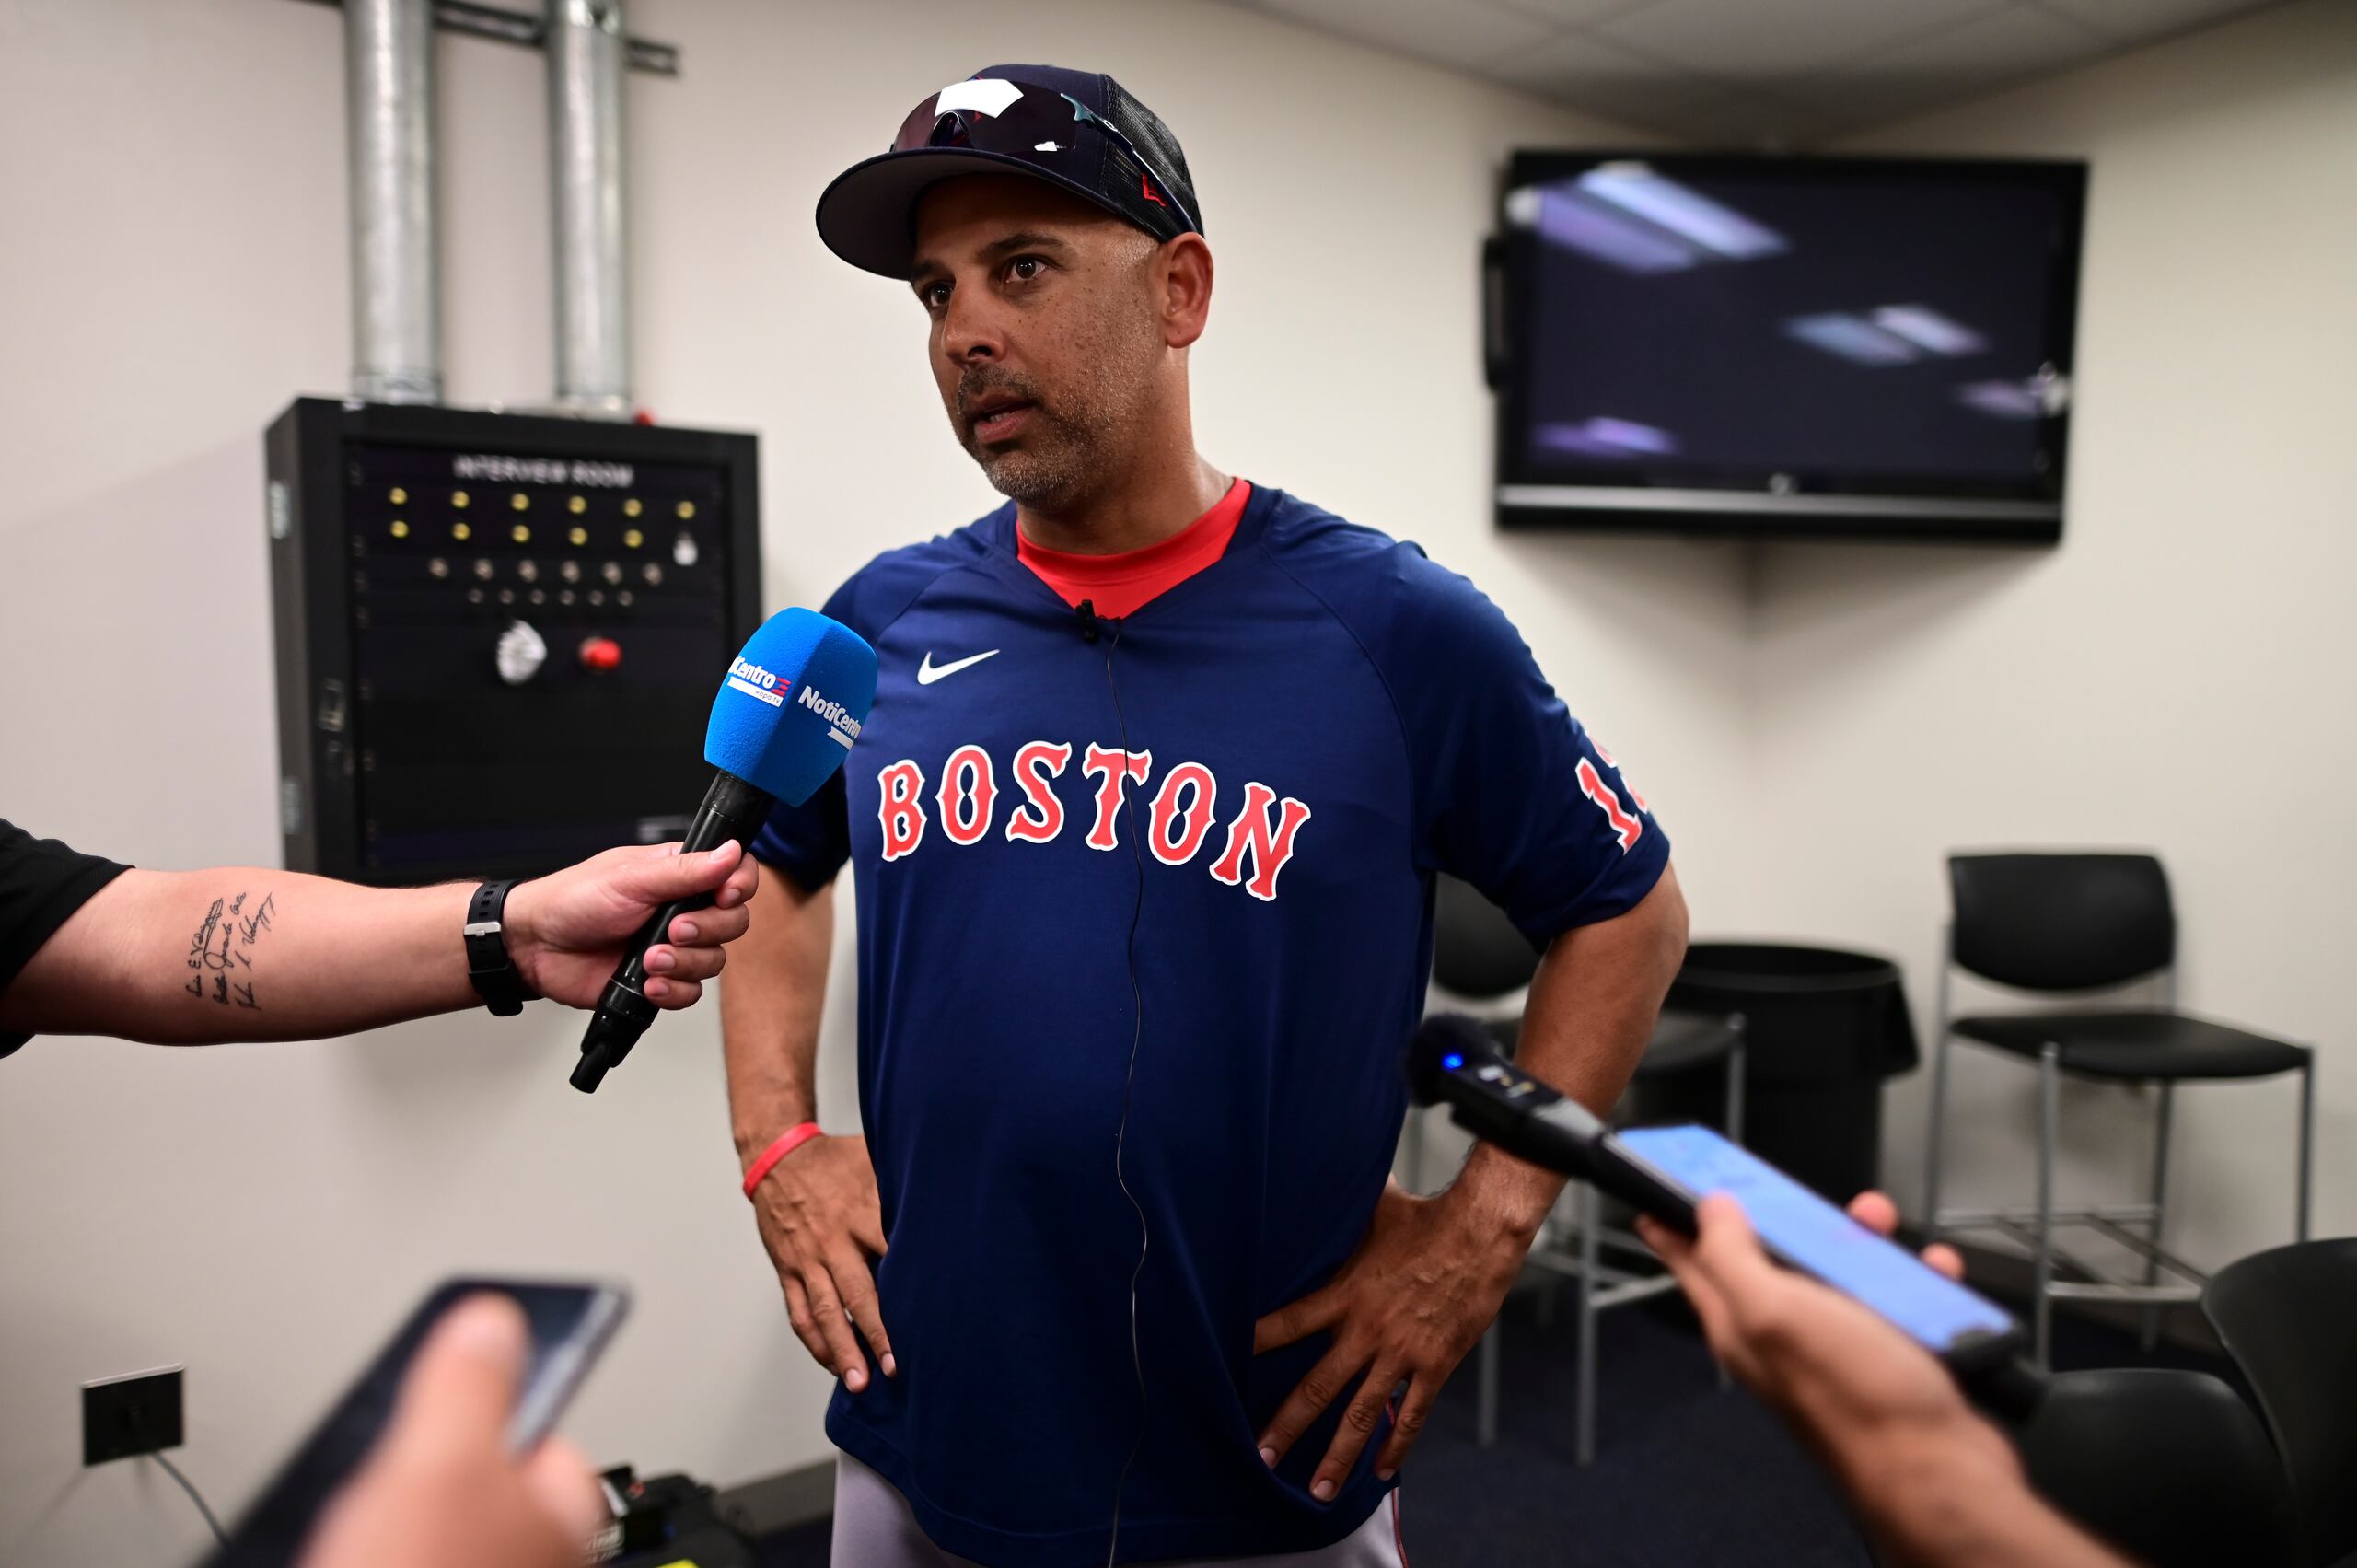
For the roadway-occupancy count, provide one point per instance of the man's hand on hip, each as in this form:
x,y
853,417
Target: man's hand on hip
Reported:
x,y
1417,1295
821,1222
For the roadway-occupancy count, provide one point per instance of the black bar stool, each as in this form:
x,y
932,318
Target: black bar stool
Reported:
x,y
2081,923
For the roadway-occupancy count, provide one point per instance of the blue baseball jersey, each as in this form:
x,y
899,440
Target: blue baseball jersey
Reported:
x,y
1286,747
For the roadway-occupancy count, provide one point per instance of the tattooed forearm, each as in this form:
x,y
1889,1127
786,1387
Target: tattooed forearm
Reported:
x,y
222,950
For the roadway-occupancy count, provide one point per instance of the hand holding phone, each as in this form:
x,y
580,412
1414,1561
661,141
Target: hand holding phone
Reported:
x,y
1665,1172
436,1454
1803,1230
1847,1380
443,1486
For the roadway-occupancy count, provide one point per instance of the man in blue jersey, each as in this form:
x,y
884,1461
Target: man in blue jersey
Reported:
x,y
1144,825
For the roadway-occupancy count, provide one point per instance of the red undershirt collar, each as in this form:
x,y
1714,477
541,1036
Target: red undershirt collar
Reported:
x,y
1121,585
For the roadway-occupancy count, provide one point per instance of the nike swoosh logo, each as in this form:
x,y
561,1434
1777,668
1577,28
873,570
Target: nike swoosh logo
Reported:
x,y
929,672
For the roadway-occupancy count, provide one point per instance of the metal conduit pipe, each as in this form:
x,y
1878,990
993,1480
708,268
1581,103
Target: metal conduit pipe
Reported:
x,y
388,105
586,54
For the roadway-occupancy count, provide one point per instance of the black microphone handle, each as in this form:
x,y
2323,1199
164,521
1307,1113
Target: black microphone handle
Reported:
x,y
1488,1097
731,809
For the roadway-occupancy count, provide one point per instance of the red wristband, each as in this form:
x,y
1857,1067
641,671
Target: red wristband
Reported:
x,y
793,1139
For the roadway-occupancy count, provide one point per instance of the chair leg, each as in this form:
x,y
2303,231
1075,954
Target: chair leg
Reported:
x,y
1591,1259
2150,1334
1939,1109
1736,1069
1414,1138
2049,1107
2308,1137
1485,1419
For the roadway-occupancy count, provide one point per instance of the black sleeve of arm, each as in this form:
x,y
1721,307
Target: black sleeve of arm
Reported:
x,y
42,883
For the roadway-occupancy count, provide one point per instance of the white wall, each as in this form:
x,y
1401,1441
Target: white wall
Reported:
x,y
2175,675
1816,725
172,269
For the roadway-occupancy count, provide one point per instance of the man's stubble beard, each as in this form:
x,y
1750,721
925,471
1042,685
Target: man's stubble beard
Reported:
x,y
1077,440
1058,457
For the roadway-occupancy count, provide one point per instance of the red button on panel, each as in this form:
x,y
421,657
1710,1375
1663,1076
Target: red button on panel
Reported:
x,y
600,653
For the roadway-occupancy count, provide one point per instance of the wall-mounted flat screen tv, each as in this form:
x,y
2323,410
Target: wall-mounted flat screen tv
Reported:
x,y
1784,346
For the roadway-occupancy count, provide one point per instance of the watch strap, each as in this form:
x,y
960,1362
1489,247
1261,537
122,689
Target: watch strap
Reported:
x,y
489,966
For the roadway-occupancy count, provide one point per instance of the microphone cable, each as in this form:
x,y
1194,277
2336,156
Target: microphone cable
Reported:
x,y
1090,623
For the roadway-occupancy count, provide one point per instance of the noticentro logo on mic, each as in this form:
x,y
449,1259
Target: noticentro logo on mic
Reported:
x,y
841,725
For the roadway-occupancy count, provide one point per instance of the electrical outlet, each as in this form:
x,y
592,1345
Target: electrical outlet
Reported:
x,y
138,1412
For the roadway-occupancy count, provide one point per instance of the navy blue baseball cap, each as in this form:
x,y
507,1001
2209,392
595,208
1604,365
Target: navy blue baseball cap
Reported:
x,y
1077,129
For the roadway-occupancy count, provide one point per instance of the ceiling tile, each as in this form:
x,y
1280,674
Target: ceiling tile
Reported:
x,y
1462,32
1980,57
1585,73
2017,41
2135,20
1792,38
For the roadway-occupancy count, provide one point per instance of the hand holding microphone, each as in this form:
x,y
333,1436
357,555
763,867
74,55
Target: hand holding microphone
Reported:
x,y
566,930
787,713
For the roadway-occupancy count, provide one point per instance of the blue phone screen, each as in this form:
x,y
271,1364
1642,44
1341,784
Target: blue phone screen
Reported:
x,y
1932,1308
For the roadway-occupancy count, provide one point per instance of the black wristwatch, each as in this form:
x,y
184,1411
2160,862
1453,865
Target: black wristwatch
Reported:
x,y
488,965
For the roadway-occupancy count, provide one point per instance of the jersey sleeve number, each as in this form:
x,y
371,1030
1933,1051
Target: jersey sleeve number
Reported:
x,y
1625,828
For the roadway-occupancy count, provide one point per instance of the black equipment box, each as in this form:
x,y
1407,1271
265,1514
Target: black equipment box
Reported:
x,y
666,1521
498,635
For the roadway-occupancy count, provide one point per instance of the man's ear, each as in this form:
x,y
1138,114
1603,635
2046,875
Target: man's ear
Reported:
x,y
1185,265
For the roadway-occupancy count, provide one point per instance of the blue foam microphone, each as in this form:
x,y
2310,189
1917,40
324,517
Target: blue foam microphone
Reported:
x,y
786,715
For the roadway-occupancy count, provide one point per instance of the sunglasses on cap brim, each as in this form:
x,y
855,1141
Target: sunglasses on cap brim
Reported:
x,y
1031,124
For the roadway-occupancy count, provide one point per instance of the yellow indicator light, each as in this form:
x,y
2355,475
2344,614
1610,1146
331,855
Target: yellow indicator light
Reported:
x,y
578,506
460,531
400,497
579,536
400,529
632,539
520,501
520,534
631,508
687,510
459,499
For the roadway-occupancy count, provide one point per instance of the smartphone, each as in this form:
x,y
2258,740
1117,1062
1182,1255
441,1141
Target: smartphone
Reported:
x,y
571,1324
1803,1230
